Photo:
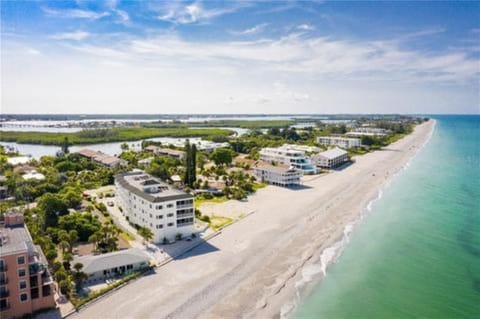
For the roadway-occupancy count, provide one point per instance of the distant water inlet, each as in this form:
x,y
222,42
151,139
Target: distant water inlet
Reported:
x,y
417,254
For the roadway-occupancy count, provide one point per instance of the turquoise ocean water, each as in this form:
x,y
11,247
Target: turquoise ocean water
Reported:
x,y
417,253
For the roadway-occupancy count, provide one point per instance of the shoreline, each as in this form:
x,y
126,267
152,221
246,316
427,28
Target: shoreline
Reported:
x,y
252,267
307,286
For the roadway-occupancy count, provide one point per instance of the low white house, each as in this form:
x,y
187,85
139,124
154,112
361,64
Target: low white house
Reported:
x,y
16,160
33,174
145,161
280,175
112,265
331,158
343,142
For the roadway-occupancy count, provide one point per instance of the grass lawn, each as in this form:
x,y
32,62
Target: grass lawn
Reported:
x,y
218,222
257,186
126,236
218,200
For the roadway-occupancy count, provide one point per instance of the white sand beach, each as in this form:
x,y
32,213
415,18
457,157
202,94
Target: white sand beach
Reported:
x,y
251,269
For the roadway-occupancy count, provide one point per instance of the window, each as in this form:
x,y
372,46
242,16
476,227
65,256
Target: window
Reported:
x,y
159,207
23,297
23,284
170,215
169,205
21,260
159,226
21,272
34,293
46,290
160,217
170,224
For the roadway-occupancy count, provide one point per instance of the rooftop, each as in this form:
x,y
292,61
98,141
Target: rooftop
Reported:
x,y
14,239
149,187
340,138
18,160
99,156
333,153
95,263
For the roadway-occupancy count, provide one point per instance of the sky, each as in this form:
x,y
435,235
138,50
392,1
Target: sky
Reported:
x,y
229,57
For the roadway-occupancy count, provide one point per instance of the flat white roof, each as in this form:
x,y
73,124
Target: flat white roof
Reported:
x,y
333,153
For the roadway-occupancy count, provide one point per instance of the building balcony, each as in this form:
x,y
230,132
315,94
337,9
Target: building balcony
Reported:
x,y
36,268
46,279
189,205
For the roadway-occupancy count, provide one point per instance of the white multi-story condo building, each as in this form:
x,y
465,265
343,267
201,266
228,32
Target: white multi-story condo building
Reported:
x,y
343,142
368,131
331,158
147,201
280,175
303,148
286,156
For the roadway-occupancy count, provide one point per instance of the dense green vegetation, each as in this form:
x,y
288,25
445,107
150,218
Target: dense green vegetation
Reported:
x,y
108,135
253,142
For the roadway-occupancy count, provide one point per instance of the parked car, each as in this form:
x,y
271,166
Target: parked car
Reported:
x,y
110,203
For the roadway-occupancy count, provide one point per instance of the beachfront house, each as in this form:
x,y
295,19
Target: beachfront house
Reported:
x,y
112,265
286,156
147,201
280,175
340,141
331,158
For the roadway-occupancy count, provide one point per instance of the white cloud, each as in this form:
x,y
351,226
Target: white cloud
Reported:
x,y
182,13
150,74
122,16
253,30
33,51
321,57
76,35
75,13
305,27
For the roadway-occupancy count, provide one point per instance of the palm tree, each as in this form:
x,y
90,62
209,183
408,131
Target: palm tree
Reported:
x,y
64,246
146,233
79,276
67,259
73,238
94,239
